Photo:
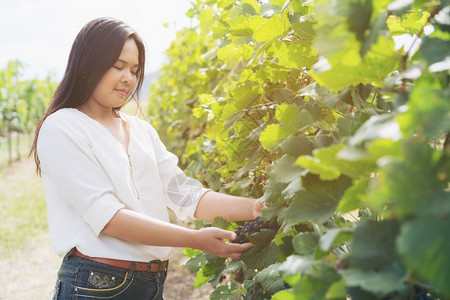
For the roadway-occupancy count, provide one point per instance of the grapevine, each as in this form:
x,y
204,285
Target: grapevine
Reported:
x,y
325,112
22,103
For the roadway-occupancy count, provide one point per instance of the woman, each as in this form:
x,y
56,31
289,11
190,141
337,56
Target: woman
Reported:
x,y
109,180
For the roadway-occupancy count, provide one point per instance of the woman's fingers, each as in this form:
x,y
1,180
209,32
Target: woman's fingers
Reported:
x,y
212,241
239,250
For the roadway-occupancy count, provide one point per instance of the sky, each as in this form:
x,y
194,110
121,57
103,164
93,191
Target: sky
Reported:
x,y
40,33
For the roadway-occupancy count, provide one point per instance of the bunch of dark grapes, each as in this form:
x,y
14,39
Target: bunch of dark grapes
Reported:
x,y
250,227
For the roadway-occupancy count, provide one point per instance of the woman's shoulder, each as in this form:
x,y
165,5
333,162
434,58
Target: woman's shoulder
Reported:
x,y
62,119
63,114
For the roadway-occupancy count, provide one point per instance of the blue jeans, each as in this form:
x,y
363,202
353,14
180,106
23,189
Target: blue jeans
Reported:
x,y
80,278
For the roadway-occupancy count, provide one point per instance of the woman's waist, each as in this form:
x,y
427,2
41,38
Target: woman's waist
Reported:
x,y
153,266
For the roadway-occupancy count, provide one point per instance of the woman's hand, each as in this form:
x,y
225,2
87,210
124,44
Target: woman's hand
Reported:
x,y
212,240
257,207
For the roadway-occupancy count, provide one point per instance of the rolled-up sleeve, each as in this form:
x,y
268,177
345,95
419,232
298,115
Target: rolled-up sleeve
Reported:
x,y
66,158
182,192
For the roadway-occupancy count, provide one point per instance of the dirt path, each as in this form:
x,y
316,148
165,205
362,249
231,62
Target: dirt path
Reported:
x,y
30,272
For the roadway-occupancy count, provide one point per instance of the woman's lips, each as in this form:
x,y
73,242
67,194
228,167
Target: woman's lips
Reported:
x,y
123,93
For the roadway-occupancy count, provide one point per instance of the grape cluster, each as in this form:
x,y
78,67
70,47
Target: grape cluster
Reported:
x,y
250,227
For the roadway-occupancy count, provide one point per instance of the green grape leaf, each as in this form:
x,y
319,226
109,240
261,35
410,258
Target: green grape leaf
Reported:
x,y
297,54
271,72
356,292
345,67
315,166
196,261
434,49
381,282
288,115
264,252
410,183
249,9
297,145
206,18
230,55
285,170
212,265
223,292
337,291
373,246
318,202
269,279
297,264
428,110
272,136
255,5
379,126
424,245
272,191
374,263
277,3
293,187
316,278
244,26
378,27
305,243
189,252
348,124
304,30
282,94
353,197
384,147
291,118
220,223
200,279
273,28
284,295
334,237
244,95
358,18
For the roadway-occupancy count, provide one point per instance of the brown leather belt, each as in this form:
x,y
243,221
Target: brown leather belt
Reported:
x,y
153,266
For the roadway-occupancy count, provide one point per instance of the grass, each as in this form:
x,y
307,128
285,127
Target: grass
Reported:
x,y
24,148
22,206
22,203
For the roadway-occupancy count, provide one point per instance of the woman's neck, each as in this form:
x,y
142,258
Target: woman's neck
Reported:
x,y
98,112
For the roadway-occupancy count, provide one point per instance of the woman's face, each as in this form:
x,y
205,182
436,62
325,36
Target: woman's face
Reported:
x,y
120,80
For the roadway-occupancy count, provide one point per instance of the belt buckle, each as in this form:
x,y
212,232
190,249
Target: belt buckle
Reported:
x,y
149,266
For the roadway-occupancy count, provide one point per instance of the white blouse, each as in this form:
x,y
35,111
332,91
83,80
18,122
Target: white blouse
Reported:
x,y
88,176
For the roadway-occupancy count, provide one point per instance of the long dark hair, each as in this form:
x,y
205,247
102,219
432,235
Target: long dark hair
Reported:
x,y
96,48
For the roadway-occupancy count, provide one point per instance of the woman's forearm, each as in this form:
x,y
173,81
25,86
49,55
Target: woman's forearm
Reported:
x,y
134,227
231,208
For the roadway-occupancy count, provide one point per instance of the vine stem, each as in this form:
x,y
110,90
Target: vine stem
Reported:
x,y
262,104
353,216
374,95
255,291
447,142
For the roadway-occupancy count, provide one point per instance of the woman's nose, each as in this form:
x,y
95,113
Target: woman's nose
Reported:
x,y
127,76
